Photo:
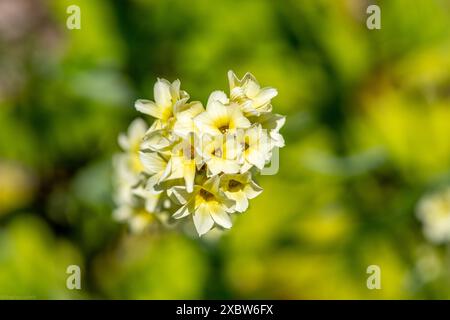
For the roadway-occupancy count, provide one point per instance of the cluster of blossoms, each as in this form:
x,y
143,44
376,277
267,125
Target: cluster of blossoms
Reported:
x,y
434,212
195,161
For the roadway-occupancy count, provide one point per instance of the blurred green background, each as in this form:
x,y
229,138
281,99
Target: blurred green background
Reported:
x,y
367,134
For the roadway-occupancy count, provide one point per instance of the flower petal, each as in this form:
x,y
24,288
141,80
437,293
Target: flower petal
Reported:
x,y
245,167
256,158
151,201
212,184
271,121
181,195
230,166
161,92
189,174
202,219
148,107
252,190
264,96
157,140
175,89
251,86
237,118
205,124
189,110
241,201
217,111
123,142
176,168
220,216
218,96
152,162
152,183
137,130
233,80
185,210
122,213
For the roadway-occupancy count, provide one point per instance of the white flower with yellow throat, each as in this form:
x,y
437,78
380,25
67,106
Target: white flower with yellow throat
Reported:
x,y
240,188
247,92
207,205
220,117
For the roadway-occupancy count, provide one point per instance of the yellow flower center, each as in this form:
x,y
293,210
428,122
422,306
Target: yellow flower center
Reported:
x,y
206,195
218,152
224,128
234,185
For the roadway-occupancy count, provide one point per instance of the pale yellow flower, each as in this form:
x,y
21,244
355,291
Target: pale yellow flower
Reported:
x,y
184,124
220,118
137,218
434,212
131,142
159,140
207,204
271,123
162,139
220,153
127,165
256,148
184,161
151,199
169,105
155,165
124,179
240,188
252,99
166,95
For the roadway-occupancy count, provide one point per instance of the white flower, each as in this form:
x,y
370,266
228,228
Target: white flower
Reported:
x,y
159,140
240,188
272,123
127,166
169,106
207,204
184,161
135,205
220,118
252,99
131,142
166,95
150,198
138,218
124,179
221,154
155,164
434,212
184,124
256,148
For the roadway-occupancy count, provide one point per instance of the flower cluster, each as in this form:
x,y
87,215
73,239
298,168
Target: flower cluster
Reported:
x,y
196,161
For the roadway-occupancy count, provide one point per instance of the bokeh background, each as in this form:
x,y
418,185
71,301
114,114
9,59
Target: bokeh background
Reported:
x,y
367,135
